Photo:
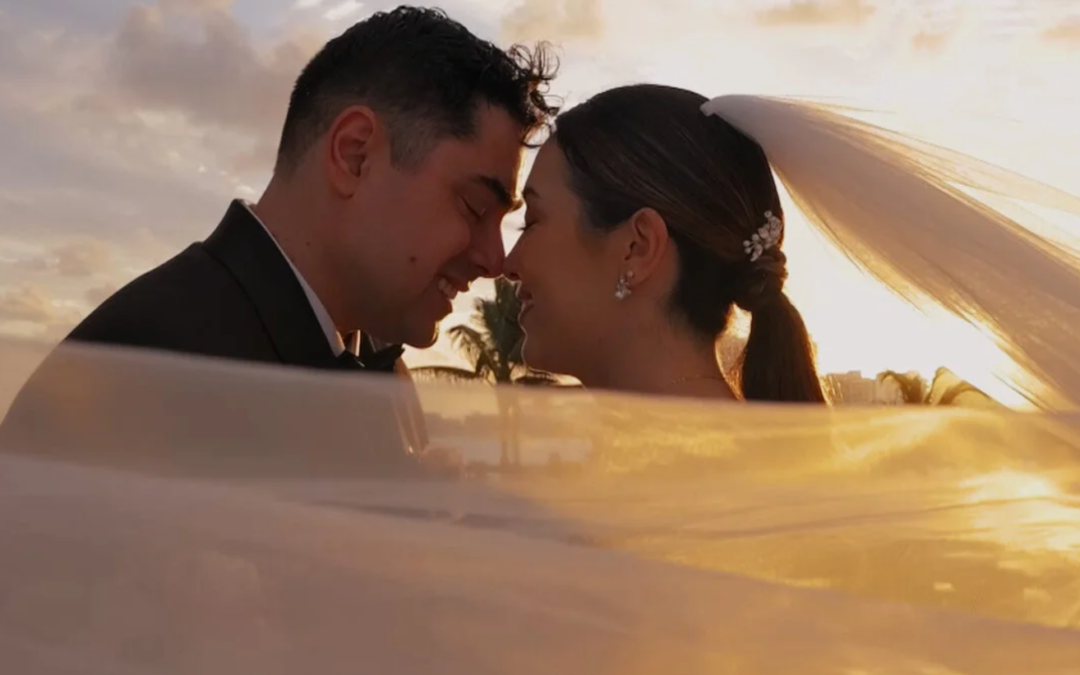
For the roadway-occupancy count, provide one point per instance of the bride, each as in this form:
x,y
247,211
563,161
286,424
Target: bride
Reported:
x,y
662,220
652,212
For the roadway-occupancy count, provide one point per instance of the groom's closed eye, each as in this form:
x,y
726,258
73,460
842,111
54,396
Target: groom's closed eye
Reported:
x,y
497,189
476,213
475,202
481,194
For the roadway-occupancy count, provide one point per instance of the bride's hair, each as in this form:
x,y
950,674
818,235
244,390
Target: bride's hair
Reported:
x,y
651,146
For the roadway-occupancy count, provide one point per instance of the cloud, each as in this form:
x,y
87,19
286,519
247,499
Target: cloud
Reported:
x,y
76,259
84,259
32,306
1065,32
99,294
201,66
817,13
76,162
335,11
89,16
343,10
28,303
559,21
925,41
118,148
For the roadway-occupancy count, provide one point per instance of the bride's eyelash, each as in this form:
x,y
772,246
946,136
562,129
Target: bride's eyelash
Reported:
x,y
526,221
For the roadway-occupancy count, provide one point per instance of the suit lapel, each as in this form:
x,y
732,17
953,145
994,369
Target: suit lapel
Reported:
x,y
242,245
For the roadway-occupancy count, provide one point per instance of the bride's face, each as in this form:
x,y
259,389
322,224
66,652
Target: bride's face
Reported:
x,y
567,274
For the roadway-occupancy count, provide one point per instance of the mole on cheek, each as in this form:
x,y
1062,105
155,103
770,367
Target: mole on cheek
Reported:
x,y
412,259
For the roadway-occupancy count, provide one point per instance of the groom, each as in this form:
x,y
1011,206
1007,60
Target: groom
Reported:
x,y
397,162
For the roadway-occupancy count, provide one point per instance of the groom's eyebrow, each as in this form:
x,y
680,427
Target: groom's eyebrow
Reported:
x,y
501,192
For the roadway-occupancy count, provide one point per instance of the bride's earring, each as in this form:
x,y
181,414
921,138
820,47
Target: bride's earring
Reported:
x,y
622,288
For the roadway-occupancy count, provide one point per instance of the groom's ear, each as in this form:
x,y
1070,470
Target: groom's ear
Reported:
x,y
646,243
353,139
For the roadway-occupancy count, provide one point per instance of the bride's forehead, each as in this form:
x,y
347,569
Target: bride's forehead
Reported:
x,y
548,167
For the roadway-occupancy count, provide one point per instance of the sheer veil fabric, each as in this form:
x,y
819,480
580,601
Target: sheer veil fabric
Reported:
x,y
909,213
174,515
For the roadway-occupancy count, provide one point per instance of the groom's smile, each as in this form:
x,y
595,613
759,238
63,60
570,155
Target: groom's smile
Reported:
x,y
450,287
440,296
416,236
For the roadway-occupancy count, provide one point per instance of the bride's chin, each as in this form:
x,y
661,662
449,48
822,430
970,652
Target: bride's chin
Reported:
x,y
529,353
537,358
525,351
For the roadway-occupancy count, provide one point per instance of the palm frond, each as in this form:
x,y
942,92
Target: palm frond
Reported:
x,y
949,396
535,378
475,347
952,387
443,374
492,344
912,387
499,317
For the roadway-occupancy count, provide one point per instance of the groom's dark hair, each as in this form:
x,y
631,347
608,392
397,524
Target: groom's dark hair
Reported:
x,y
425,74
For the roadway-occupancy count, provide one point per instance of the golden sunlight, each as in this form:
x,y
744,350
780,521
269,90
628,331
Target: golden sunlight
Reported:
x,y
1023,511
978,77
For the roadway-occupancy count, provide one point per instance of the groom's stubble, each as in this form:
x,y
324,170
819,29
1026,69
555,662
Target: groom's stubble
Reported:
x,y
410,234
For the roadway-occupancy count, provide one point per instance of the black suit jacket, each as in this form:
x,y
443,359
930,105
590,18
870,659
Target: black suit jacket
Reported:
x,y
233,296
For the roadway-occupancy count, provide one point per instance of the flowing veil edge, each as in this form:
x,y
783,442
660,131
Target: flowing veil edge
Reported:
x,y
909,213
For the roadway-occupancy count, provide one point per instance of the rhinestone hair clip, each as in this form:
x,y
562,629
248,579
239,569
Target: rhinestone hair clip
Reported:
x,y
766,237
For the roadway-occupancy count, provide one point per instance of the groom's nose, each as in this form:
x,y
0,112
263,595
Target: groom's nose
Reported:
x,y
488,253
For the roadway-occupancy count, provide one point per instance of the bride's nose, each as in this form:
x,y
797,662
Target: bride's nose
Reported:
x,y
510,268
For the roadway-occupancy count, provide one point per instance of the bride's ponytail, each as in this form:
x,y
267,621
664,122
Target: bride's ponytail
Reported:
x,y
905,212
778,363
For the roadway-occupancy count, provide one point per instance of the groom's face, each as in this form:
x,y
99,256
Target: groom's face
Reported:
x,y
422,234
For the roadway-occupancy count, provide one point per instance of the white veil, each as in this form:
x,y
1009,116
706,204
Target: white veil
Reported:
x,y
172,515
908,213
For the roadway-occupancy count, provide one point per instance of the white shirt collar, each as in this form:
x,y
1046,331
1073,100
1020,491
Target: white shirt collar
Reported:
x,y
333,336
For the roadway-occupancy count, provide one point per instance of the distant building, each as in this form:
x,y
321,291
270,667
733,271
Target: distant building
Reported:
x,y
852,388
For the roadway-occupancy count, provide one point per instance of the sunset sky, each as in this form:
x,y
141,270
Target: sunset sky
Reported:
x,y
127,127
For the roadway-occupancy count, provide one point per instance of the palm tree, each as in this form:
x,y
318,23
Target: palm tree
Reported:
x,y
951,391
915,391
493,347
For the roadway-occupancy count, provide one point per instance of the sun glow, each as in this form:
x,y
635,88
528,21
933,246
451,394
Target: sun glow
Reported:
x,y
981,78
